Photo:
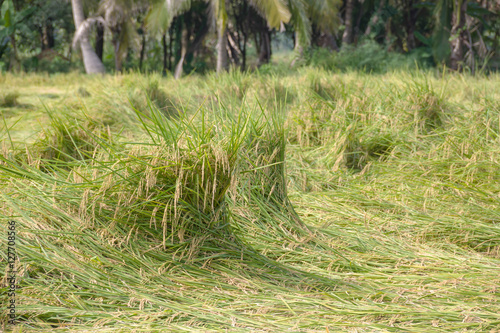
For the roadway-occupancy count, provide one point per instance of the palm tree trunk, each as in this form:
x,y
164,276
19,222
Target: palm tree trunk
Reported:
x,y
222,49
180,63
458,34
234,51
220,8
347,36
99,41
265,47
164,43
91,61
244,53
170,45
47,30
410,17
298,48
14,61
118,60
143,51
262,41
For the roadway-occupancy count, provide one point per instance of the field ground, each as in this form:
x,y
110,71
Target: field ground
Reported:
x,y
180,215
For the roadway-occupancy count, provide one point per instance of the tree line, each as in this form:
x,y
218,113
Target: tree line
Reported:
x,y
186,35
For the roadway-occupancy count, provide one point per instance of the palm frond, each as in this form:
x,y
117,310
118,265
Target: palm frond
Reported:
x,y
324,13
129,38
162,13
179,6
300,21
218,13
159,17
275,11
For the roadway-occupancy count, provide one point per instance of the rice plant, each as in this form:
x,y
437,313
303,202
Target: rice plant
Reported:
x,y
9,100
363,203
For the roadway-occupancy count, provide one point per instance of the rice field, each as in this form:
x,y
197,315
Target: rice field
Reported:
x,y
305,201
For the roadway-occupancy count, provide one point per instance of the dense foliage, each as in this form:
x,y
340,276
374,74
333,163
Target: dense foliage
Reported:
x,y
183,36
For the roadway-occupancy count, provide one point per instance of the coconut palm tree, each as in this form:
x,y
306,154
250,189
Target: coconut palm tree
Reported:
x,y
324,13
159,18
450,31
163,11
117,17
91,61
219,13
274,11
458,34
347,36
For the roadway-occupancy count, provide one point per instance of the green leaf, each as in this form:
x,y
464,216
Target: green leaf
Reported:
x,y
324,13
162,13
478,12
24,14
7,19
426,41
7,12
300,21
275,11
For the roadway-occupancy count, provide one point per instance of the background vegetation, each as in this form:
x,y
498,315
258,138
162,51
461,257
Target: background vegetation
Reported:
x,y
185,36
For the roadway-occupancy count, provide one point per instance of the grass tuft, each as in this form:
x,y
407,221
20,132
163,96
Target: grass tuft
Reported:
x,y
82,92
9,100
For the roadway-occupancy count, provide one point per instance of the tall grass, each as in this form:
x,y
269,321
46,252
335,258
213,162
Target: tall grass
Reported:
x,y
254,202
